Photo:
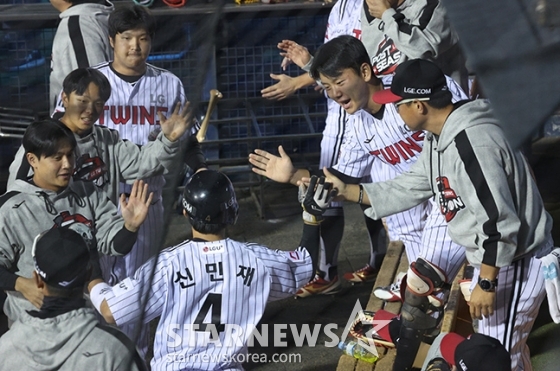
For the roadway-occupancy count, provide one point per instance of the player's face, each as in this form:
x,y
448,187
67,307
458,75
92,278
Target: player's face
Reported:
x,y
349,89
411,115
131,49
53,172
82,110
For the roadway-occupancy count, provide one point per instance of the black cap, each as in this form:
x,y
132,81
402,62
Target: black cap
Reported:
x,y
414,79
61,257
478,352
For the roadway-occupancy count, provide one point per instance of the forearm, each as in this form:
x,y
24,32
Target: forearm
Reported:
x,y
351,192
298,175
125,239
303,81
194,157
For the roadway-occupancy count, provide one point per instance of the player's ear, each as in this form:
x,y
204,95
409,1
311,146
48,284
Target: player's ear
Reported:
x,y
365,71
31,158
112,42
38,281
65,99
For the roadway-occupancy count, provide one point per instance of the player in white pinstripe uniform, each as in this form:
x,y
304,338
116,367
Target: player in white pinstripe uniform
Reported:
x,y
379,137
376,132
140,93
210,291
344,19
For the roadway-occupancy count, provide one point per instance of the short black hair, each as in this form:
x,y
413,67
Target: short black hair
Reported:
x,y
131,18
78,81
338,54
206,228
441,101
44,138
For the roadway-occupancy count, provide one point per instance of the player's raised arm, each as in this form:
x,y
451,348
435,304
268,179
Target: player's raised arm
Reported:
x,y
291,270
287,85
293,52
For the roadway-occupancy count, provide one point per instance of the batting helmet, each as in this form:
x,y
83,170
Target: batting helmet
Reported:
x,y
209,198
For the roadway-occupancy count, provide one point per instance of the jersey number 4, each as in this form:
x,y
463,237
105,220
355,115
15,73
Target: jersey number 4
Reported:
x,y
213,302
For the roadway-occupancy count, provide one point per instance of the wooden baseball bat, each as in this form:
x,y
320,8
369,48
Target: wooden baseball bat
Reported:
x,y
215,96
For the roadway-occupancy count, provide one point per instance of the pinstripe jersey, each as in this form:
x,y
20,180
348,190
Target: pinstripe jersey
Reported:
x,y
389,141
132,107
344,19
225,283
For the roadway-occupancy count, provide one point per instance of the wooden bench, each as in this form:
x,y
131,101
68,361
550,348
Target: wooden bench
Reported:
x,y
395,261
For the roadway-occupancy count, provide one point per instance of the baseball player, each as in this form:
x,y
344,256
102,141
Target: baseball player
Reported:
x,y
485,191
142,96
344,19
81,40
394,31
63,333
102,157
207,287
376,133
51,199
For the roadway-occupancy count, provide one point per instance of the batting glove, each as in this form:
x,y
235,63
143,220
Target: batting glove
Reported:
x,y
315,199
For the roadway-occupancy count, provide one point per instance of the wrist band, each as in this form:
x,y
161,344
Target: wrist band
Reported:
x,y
361,197
307,66
97,296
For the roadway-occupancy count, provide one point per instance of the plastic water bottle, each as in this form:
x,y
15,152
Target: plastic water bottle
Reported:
x,y
354,349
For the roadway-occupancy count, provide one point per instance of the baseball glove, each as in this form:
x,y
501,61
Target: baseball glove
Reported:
x,y
379,327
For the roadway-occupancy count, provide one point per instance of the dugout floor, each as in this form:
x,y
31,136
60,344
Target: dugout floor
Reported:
x,y
283,232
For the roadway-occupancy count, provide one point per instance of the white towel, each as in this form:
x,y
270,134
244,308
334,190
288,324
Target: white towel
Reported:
x,y
551,270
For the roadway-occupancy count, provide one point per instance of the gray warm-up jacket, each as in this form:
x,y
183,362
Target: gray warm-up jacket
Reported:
x,y
27,210
103,158
484,188
71,341
81,40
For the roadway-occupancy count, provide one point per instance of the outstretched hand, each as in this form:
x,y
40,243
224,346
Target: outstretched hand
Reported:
x,y
285,87
135,210
279,169
315,198
174,126
293,52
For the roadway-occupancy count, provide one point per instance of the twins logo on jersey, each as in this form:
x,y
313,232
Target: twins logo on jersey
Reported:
x,y
402,150
91,169
386,58
65,218
449,202
135,115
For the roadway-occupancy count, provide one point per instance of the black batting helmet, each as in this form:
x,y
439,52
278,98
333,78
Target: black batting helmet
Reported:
x,y
209,198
